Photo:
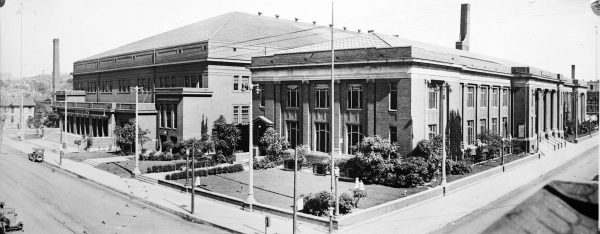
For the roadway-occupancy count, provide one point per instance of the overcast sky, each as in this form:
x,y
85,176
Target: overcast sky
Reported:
x,y
549,34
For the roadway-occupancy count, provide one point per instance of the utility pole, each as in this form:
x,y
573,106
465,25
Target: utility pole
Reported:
x,y
295,217
63,145
332,107
193,184
443,109
136,170
21,75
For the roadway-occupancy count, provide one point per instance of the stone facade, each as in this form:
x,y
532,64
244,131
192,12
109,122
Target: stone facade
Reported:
x,y
400,97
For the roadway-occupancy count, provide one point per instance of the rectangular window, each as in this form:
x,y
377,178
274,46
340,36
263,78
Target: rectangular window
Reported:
x,y
149,88
245,83
236,83
354,136
504,127
393,134
483,97
164,113
187,81
236,114
470,133
470,96
433,102
159,116
169,116
322,137
322,97
505,97
175,116
292,133
482,125
354,96
262,95
173,84
432,131
292,96
393,97
494,125
12,109
495,97
245,115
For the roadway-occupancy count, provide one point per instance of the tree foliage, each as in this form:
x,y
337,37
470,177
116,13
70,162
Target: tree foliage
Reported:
x,y
454,135
125,136
274,145
377,146
225,139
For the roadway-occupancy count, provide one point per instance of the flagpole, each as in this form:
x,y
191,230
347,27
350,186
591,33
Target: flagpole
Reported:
x,y
21,73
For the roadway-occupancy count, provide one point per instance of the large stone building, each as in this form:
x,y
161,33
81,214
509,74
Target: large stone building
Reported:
x,y
188,74
388,86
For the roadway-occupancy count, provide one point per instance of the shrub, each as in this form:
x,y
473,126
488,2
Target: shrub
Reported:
x,y
376,145
263,164
167,146
274,145
458,168
225,139
414,171
318,204
204,172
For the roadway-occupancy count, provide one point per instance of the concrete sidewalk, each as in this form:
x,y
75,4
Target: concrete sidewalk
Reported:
x,y
427,216
207,211
433,214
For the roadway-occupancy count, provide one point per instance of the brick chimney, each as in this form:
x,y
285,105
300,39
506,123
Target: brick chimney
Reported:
x,y
573,72
55,64
463,38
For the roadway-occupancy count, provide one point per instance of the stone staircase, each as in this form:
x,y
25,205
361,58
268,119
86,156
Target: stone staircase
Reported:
x,y
146,179
552,144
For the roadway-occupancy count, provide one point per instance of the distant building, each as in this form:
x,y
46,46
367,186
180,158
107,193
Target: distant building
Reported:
x,y
592,99
10,108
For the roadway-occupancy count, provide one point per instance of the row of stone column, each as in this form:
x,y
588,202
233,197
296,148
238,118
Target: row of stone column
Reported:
x,y
88,125
548,108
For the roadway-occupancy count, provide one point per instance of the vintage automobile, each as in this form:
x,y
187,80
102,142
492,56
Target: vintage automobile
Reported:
x,y
37,155
8,220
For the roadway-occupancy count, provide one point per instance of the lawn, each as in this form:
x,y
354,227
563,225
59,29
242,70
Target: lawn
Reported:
x,y
275,187
484,166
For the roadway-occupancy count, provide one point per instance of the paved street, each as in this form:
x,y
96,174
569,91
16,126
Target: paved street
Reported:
x,y
583,168
51,201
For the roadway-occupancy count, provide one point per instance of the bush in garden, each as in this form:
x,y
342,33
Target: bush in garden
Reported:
x,y
318,204
205,172
492,144
274,145
225,138
376,145
414,171
263,164
167,146
458,168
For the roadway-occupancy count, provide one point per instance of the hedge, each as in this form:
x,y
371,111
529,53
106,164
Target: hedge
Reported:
x,y
177,166
206,171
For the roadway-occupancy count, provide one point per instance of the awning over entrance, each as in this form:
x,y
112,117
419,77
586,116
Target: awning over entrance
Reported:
x,y
264,120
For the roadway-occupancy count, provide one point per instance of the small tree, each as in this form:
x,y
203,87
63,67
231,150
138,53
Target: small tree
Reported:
x,y
454,135
51,120
492,141
225,138
199,146
125,136
274,145
377,145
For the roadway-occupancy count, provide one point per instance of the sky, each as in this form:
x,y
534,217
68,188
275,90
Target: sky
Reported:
x,y
548,34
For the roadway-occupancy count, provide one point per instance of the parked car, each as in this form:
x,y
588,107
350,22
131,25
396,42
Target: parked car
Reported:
x,y
37,155
8,220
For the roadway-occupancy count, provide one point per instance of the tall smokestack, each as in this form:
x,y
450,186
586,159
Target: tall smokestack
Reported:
x,y
573,72
463,38
55,64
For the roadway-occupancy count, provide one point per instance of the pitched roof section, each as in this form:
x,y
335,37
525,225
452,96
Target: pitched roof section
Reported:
x,y
235,28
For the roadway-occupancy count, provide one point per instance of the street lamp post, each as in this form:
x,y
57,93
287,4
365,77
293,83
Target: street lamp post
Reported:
x,y
295,217
136,170
63,145
337,201
250,198
443,132
193,188
576,98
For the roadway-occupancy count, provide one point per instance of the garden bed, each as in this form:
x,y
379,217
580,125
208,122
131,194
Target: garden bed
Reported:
x,y
124,168
275,187
486,165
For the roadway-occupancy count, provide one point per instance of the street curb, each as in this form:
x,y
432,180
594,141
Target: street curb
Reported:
x,y
178,213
